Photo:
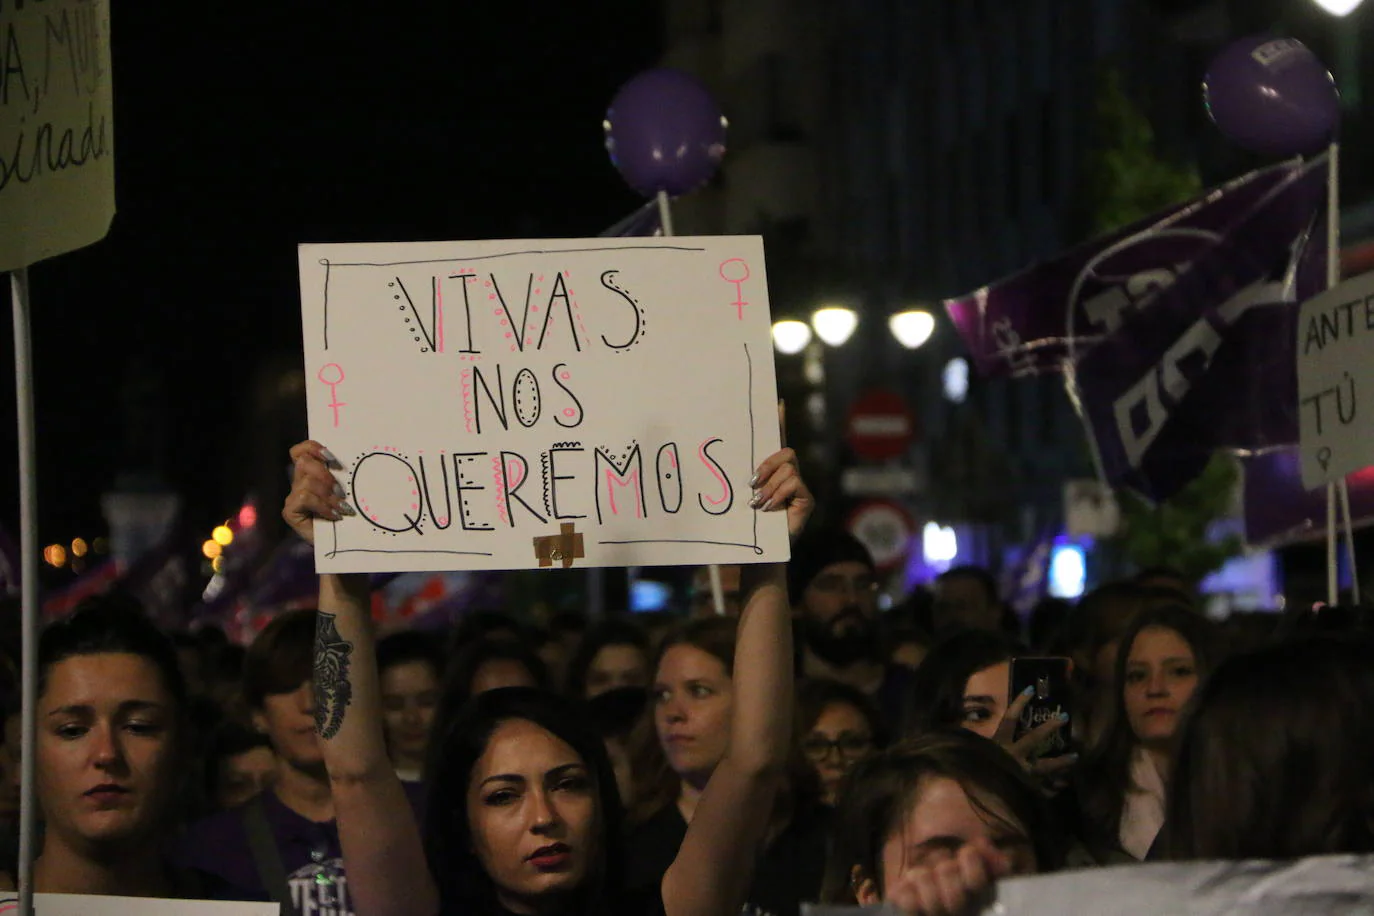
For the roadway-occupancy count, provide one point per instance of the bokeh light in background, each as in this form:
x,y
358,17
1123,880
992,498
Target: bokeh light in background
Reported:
x,y
791,337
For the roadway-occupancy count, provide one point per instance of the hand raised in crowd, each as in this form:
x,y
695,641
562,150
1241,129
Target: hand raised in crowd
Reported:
x,y
778,485
314,491
1027,748
956,886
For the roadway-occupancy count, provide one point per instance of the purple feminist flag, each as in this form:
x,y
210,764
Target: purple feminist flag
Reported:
x,y
1035,321
1207,360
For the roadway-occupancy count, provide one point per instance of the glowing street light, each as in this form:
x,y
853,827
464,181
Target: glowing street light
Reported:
x,y
912,328
835,324
791,337
223,536
1338,7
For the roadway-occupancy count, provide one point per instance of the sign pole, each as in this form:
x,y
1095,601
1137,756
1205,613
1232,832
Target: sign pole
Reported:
x,y
665,218
1336,488
28,573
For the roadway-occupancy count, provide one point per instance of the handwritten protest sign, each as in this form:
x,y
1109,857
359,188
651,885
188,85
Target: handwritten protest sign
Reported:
x,y
90,905
528,404
1336,374
56,128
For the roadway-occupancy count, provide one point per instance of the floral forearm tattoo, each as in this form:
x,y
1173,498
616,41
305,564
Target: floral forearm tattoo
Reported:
x,y
333,692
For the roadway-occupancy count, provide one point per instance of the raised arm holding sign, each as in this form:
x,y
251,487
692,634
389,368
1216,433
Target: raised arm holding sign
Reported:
x,y
523,808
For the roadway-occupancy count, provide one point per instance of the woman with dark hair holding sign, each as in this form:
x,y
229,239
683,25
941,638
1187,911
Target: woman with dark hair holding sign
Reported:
x,y
523,815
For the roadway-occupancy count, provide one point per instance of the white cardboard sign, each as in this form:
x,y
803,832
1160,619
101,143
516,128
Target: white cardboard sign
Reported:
x,y
56,128
550,403
1323,886
88,905
1336,375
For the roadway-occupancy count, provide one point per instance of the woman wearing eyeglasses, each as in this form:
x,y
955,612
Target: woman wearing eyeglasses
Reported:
x,y
839,726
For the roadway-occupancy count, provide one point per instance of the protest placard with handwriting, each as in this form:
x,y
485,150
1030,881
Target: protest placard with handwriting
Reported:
x,y
526,404
56,128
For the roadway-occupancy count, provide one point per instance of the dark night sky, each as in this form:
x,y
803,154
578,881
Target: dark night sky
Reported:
x,y
243,129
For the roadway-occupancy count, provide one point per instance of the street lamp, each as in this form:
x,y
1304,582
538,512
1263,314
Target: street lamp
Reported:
x,y
835,324
790,337
1338,7
912,328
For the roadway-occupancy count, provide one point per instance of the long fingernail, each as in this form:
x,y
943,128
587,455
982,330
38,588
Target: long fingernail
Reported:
x,y
329,457
756,501
1028,692
754,482
769,506
1063,717
348,510
339,491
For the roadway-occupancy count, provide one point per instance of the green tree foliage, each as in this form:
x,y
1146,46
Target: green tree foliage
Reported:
x,y
1128,178
1176,532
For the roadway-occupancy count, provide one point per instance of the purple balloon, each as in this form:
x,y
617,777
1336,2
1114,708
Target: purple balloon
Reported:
x,y
1272,96
665,132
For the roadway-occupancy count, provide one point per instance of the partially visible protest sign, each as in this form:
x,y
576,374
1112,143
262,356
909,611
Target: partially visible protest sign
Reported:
x,y
526,404
56,128
1322,886
90,905
1336,372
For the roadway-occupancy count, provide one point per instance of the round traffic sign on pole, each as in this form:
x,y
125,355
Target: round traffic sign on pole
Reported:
x,y
880,426
886,529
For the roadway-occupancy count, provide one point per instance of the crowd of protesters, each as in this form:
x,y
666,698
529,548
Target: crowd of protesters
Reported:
x,y
803,746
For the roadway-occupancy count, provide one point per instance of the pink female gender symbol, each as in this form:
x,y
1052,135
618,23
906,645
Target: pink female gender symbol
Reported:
x,y
333,384
739,302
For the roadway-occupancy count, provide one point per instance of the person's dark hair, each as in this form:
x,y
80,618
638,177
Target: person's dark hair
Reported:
x,y
937,688
229,739
879,792
464,886
613,632
281,658
111,624
567,623
1299,620
481,626
458,679
1047,620
456,689
974,574
615,713
814,695
1274,762
818,549
1105,776
1167,579
409,646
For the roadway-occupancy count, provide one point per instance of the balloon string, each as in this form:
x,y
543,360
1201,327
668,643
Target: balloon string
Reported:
x,y
1333,279
665,217
1332,589
665,213
1343,491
